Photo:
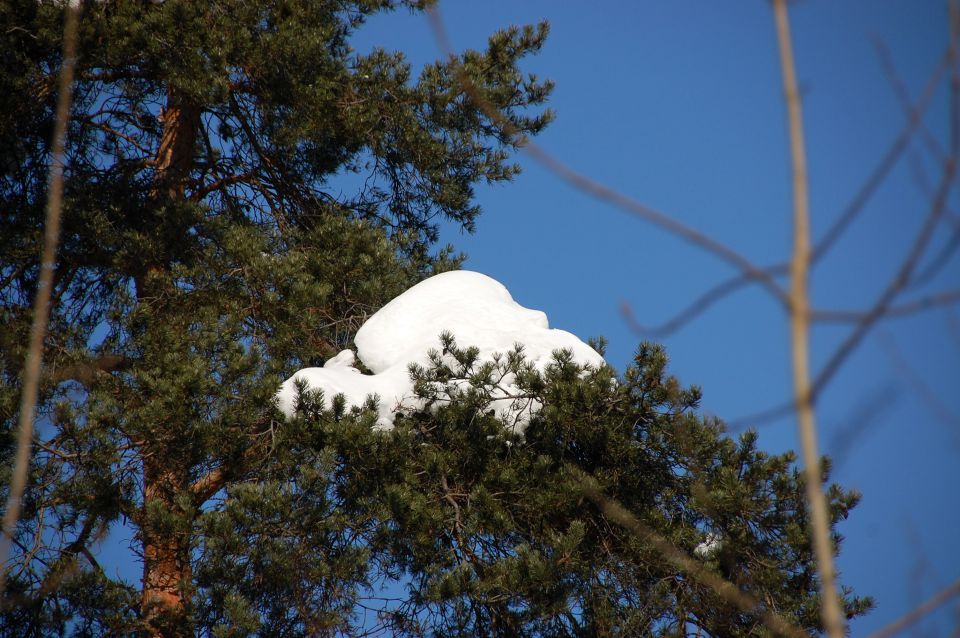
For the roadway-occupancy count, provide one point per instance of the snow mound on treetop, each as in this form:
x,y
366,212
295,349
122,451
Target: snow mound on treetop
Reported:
x,y
476,309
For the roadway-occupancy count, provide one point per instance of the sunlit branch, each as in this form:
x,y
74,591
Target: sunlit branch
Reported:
x,y
831,608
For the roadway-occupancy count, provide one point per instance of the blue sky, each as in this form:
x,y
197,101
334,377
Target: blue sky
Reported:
x,y
679,105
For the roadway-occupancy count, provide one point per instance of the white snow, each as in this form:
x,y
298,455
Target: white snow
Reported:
x,y
476,309
709,548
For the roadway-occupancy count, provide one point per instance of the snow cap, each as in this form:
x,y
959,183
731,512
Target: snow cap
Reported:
x,y
476,309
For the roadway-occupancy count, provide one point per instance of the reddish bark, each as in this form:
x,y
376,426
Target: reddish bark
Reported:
x,y
166,554
166,544
181,121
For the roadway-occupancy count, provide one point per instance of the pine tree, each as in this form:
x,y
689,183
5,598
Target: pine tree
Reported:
x,y
212,245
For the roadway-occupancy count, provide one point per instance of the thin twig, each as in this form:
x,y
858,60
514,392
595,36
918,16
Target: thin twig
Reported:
x,y
937,209
869,412
901,93
41,308
952,322
884,303
613,510
949,418
918,612
907,309
602,192
829,238
897,284
831,609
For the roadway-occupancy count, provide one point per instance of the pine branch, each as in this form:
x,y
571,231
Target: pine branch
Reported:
x,y
86,372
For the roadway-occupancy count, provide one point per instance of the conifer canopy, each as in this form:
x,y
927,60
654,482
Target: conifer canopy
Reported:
x,y
243,189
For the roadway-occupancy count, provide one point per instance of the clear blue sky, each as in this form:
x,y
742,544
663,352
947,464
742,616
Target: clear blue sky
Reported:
x,y
678,104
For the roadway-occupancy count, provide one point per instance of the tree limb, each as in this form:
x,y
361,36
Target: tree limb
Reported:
x,y
41,315
86,372
723,588
831,608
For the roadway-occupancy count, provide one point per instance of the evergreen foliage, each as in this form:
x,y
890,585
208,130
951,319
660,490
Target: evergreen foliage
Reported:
x,y
212,245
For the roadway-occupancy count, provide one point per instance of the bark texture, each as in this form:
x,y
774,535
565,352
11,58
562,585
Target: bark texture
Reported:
x,y
166,526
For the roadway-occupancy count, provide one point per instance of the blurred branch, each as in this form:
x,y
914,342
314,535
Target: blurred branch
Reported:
x,y
602,192
930,302
903,310
87,371
941,411
902,278
613,510
883,306
953,325
830,237
41,308
870,410
919,612
865,322
939,260
831,609
903,96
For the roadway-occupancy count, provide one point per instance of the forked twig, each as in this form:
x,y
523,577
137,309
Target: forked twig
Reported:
x,y
883,306
829,238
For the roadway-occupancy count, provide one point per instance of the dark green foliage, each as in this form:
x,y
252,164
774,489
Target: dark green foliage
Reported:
x,y
243,190
500,540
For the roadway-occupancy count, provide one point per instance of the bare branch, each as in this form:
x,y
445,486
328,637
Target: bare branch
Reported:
x,y
883,168
16,272
900,90
831,609
725,589
41,314
946,416
217,478
220,184
208,484
918,612
829,238
132,141
869,412
932,302
87,371
904,276
952,321
603,192
694,310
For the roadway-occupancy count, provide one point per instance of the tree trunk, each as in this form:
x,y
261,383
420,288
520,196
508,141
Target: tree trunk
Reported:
x,y
166,552
165,528
181,121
